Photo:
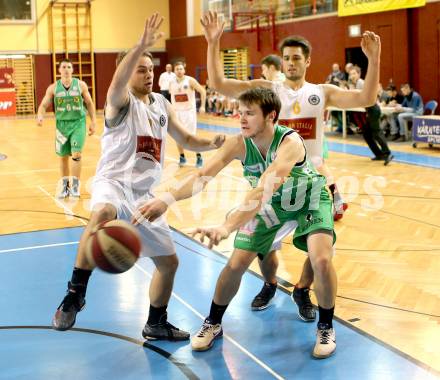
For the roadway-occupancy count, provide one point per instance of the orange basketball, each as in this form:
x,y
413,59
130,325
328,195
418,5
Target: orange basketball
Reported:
x,y
114,246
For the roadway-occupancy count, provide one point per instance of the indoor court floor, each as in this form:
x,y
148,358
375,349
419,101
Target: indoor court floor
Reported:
x,y
388,305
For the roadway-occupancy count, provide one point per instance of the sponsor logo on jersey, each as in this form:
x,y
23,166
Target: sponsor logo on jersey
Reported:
x,y
312,221
256,168
273,155
61,93
162,120
150,147
179,98
306,126
314,100
73,93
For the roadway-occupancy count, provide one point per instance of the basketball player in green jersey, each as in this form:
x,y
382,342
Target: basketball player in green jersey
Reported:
x,y
304,100
286,189
69,95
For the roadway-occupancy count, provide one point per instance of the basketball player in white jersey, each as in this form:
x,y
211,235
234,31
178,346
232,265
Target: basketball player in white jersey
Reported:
x,y
302,108
183,98
133,146
271,68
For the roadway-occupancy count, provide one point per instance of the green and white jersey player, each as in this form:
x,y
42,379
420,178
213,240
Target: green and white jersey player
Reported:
x,y
286,188
69,95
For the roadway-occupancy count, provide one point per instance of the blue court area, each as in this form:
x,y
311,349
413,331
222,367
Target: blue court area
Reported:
x,y
106,342
353,149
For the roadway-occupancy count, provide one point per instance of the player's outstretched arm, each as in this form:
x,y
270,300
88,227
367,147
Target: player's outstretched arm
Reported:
x,y
188,141
117,95
192,185
47,100
213,30
366,97
290,152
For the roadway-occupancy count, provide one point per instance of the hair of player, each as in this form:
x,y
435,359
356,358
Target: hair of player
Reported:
x,y
265,98
297,41
65,60
273,60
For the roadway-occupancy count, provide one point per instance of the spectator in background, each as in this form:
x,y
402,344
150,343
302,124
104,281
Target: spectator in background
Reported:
x,y
355,80
271,68
164,81
382,95
356,83
374,136
336,76
411,100
348,67
394,97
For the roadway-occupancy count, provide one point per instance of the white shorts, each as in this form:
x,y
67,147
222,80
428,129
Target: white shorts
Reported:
x,y
156,237
189,120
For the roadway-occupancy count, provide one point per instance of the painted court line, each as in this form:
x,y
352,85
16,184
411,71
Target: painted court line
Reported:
x,y
63,206
234,342
181,300
38,246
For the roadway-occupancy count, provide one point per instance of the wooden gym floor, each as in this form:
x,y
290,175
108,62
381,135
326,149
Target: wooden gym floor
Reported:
x,y
388,241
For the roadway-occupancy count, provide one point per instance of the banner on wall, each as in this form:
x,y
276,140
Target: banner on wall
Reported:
x,y
357,7
7,103
6,77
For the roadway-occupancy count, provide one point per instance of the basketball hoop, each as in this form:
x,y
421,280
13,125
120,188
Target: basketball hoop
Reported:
x,y
255,21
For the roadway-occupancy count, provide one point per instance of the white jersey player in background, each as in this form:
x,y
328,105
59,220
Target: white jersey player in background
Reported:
x,y
183,98
133,147
302,108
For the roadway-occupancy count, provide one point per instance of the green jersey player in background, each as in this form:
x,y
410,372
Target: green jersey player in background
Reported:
x,y
69,95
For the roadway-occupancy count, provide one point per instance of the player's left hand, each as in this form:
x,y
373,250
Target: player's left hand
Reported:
x,y
214,234
218,141
202,110
92,129
371,45
149,211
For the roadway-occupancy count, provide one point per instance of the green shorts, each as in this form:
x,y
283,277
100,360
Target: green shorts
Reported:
x,y
70,136
261,234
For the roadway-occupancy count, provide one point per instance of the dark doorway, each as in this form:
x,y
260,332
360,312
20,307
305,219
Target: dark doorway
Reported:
x,y
358,58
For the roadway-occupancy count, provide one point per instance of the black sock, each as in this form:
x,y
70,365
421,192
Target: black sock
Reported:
x,y
156,314
337,198
332,188
80,279
326,316
216,313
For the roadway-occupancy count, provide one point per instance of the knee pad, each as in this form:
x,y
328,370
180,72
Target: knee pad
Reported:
x,y
76,158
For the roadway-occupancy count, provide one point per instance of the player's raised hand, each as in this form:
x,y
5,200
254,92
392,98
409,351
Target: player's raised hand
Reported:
x,y
218,141
371,45
214,234
212,26
151,34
